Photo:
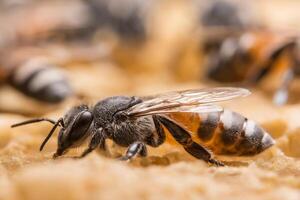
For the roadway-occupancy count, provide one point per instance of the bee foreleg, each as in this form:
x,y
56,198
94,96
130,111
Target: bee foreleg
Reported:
x,y
184,138
98,139
134,149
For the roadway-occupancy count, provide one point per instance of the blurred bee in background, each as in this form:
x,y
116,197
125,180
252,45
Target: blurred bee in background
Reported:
x,y
210,21
39,38
35,75
32,23
243,51
252,57
189,116
37,71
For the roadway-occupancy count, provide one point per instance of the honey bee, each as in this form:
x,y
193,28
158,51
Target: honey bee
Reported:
x,y
254,55
135,122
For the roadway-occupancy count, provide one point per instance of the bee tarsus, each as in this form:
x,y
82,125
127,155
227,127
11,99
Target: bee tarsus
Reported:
x,y
137,148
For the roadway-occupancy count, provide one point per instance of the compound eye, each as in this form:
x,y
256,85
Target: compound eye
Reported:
x,y
85,117
81,125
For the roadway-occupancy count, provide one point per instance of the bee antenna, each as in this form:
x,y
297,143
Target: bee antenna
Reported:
x,y
32,121
51,133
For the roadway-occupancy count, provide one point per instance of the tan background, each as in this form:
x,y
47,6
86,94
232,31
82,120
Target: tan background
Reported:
x,y
26,173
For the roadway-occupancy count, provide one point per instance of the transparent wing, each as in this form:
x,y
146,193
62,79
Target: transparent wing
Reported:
x,y
199,100
184,109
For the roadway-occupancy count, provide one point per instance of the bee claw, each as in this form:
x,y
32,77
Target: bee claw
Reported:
x,y
123,158
216,162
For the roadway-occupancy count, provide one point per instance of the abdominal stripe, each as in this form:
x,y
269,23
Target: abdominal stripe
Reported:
x,y
232,127
209,123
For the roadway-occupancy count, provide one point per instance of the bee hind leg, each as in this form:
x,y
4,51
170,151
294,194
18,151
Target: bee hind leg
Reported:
x,y
133,150
281,95
184,138
158,137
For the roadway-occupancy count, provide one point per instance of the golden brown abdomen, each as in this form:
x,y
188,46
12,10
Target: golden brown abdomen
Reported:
x,y
225,132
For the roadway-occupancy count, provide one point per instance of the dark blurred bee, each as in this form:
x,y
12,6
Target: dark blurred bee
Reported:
x,y
127,18
227,14
35,76
135,122
41,80
254,55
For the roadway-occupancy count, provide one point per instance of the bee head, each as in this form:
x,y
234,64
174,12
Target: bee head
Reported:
x,y
75,129
75,126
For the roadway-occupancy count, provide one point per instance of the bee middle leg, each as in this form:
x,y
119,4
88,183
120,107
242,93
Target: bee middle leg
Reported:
x,y
133,150
183,137
156,139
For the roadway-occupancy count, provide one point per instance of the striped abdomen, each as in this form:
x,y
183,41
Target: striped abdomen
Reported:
x,y
226,132
41,80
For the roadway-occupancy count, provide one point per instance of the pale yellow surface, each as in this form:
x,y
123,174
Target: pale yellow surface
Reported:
x,y
168,172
